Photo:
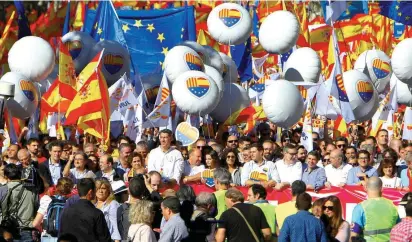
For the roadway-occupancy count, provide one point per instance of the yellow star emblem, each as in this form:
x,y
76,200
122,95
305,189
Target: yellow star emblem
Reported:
x,y
183,29
399,14
100,31
397,7
125,27
160,37
95,26
165,50
150,27
407,17
138,23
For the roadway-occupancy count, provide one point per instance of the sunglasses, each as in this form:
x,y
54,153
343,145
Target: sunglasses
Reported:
x,y
230,157
354,164
200,147
232,141
340,146
326,160
330,208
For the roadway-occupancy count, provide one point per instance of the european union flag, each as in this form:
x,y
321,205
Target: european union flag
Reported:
x,y
148,34
23,22
400,11
242,56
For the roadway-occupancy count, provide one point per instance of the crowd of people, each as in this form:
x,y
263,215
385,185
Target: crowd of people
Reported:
x,y
57,190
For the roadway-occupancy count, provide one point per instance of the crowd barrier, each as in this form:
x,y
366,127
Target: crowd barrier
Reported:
x,y
349,196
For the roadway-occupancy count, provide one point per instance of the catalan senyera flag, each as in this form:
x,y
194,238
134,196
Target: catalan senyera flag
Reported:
x,y
340,128
90,108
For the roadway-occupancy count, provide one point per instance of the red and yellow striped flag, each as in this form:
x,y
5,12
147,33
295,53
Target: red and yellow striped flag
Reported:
x,y
5,34
67,73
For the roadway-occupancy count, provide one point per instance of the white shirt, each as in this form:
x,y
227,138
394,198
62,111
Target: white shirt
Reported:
x,y
191,171
336,176
289,172
393,182
267,167
77,175
44,204
169,164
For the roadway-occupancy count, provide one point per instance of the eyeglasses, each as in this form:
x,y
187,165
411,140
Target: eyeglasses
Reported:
x,y
232,141
200,147
353,164
326,160
363,158
340,146
315,139
330,208
230,157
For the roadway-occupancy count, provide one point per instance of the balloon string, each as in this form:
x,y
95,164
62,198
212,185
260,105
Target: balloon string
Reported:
x,y
230,86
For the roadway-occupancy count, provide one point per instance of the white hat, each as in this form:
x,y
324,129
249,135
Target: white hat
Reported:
x,y
118,186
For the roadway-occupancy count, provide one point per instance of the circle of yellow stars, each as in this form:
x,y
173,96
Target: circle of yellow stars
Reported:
x,y
149,27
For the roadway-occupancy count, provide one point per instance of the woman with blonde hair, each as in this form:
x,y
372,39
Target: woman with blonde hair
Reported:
x,y
105,201
141,217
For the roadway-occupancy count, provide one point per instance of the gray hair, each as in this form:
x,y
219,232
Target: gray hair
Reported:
x,y
22,151
222,175
204,199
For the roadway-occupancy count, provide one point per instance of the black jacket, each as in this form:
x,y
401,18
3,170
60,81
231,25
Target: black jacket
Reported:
x,y
85,221
44,171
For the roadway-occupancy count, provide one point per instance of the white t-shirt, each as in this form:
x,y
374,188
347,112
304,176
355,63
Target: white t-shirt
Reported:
x,y
191,171
169,164
289,172
393,182
337,175
44,204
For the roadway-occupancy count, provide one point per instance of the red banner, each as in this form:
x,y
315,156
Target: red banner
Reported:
x,y
349,196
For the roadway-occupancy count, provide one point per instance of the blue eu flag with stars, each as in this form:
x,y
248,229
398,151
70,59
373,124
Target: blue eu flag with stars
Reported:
x,y
400,11
148,34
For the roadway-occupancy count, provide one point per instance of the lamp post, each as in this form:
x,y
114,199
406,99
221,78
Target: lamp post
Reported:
x,y
6,92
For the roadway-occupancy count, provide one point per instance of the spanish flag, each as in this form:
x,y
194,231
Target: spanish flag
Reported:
x,y
90,108
67,73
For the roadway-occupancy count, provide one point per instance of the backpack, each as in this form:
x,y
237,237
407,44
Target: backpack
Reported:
x,y
10,218
51,222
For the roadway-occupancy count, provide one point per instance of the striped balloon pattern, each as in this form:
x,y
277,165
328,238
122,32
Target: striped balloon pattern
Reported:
x,y
381,68
365,90
230,17
186,134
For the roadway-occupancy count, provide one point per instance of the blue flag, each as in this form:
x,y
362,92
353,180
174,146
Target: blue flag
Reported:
x,y
66,26
242,56
23,22
339,10
148,34
399,11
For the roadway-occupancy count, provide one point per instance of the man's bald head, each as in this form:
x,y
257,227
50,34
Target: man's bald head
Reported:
x,y
24,157
336,158
374,184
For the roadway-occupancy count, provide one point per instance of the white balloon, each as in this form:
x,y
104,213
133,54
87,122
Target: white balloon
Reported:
x,y
26,96
200,49
403,92
115,60
215,60
303,65
33,57
282,103
360,91
369,115
234,99
402,61
229,23
279,32
194,92
377,66
229,68
80,45
181,59
215,75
